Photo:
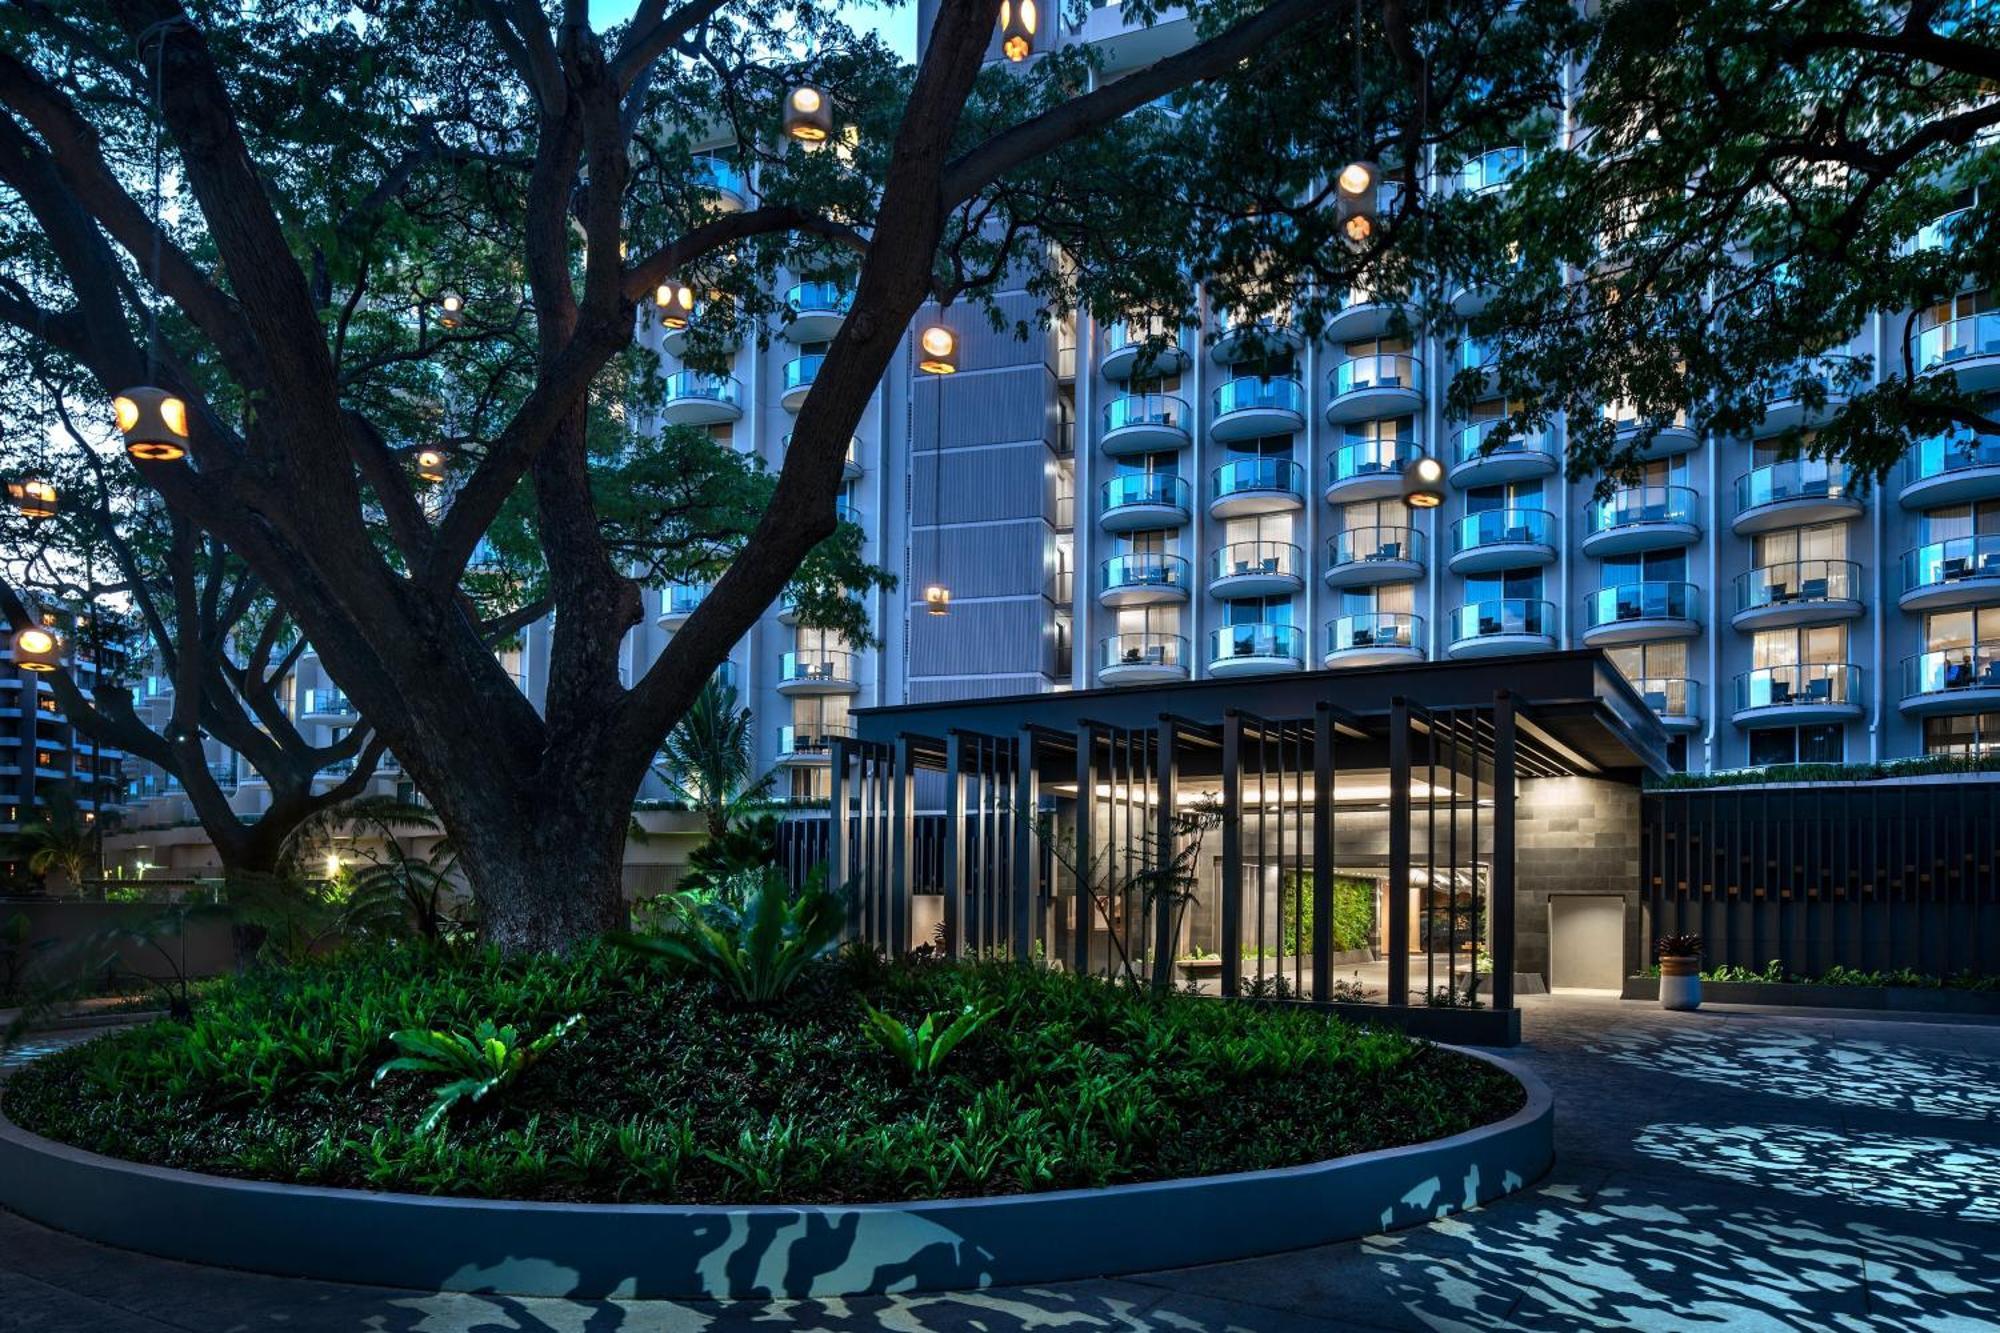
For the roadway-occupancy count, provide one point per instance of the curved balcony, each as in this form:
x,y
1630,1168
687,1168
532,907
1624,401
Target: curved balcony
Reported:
x,y
722,180
1642,518
678,602
1368,470
1142,579
1126,352
1375,638
1372,387
1255,650
1143,501
1798,592
697,398
850,466
1256,569
1251,339
1952,680
1249,407
674,338
846,511
1675,700
1785,404
1480,460
1367,557
1801,692
811,743
1794,494
1477,359
1489,172
818,309
1249,486
1361,315
1968,347
1669,439
1141,659
1144,423
1501,625
1950,469
327,705
800,372
817,672
1496,539
1941,232
1640,612
1964,571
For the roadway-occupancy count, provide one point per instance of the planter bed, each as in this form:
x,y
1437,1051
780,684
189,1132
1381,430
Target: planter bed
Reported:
x,y
680,1143
1809,995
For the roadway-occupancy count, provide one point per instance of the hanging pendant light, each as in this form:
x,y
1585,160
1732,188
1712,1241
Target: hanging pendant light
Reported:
x,y
676,303
33,497
1018,21
451,309
1423,483
1357,201
430,465
937,600
36,649
937,350
153,422
808,114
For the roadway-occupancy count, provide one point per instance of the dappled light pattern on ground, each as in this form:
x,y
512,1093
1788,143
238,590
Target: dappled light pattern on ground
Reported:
x,y
1788,1062
1929,1175
1634,1259
34,1048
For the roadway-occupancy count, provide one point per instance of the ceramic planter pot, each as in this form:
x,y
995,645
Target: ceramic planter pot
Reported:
x,y
1680,983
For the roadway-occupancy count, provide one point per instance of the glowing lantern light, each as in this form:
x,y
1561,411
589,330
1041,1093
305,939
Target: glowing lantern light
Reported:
x,y
451,310
1423,483
1018,21
937,348
36,499
35,649
430,465
937,600
808,114
153,422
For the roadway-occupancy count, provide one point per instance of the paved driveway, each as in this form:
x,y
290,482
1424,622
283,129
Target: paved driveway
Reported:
x,y
1724,1170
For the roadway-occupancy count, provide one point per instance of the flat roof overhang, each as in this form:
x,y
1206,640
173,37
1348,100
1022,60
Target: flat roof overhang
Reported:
x,y
1574,707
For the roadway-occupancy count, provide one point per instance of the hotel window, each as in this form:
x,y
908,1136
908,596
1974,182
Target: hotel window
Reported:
x,y
1514,495
1388,430
1823,744
1805,647
1824,541
1156,620
1383,599
1964,734
1257,528
1652,661
1259,611
1948,522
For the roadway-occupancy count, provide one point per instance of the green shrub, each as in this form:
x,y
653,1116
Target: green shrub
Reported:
x,y
1353,914
921,1049
753,935
476,1067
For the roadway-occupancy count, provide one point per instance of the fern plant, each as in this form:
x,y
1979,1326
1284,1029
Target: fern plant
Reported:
x,y
921,1049
489,1061
755,938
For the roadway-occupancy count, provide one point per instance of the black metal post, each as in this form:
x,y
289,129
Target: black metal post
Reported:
x,y
1025,862
1164,886
1503,850
954,845
1322,872
1231,944
1086,799
902,827
1399,851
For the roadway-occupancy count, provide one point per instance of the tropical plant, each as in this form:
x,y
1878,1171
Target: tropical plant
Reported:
x,y
756,938
921,1049
59,840
746,846
386,891
475,1067
709,759
1679,946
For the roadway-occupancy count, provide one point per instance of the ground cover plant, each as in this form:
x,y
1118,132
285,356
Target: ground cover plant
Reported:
x,y
673,1087
1776,972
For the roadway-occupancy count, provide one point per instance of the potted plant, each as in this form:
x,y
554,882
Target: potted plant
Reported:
x,y
1680,971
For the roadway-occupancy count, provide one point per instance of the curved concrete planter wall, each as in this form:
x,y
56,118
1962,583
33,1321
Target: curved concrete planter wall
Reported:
x,y
664,1251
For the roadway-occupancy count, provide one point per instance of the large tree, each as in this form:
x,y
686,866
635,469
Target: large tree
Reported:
x,y
544,171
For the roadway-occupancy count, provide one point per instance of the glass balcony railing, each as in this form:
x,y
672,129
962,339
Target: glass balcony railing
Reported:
x,y
1641,505
1503,527
1146,409
1376,543
1976,557
1491,170
1799,684
719,174
1798,583
1370,458
682,598
1641,601
1124,334
1956,340
1955,451
1266,643
801,371
324,700
1143,570
1797,479
1145,488
1247,393
846,511
1941,233
1971,666
1246,475
703,384
1375,629
1675,698
812,737
1382,370
1142,650
1257,559
1471,443
1498,616
817,667
820,296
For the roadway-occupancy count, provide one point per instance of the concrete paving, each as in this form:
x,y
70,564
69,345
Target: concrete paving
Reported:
x,y
1731,1169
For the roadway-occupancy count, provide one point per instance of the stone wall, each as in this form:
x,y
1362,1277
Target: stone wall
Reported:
x,y
1573,836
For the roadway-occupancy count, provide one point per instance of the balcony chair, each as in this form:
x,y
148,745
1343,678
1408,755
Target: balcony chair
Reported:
x,y
1813,590
1958,675
1388,551
1820,690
